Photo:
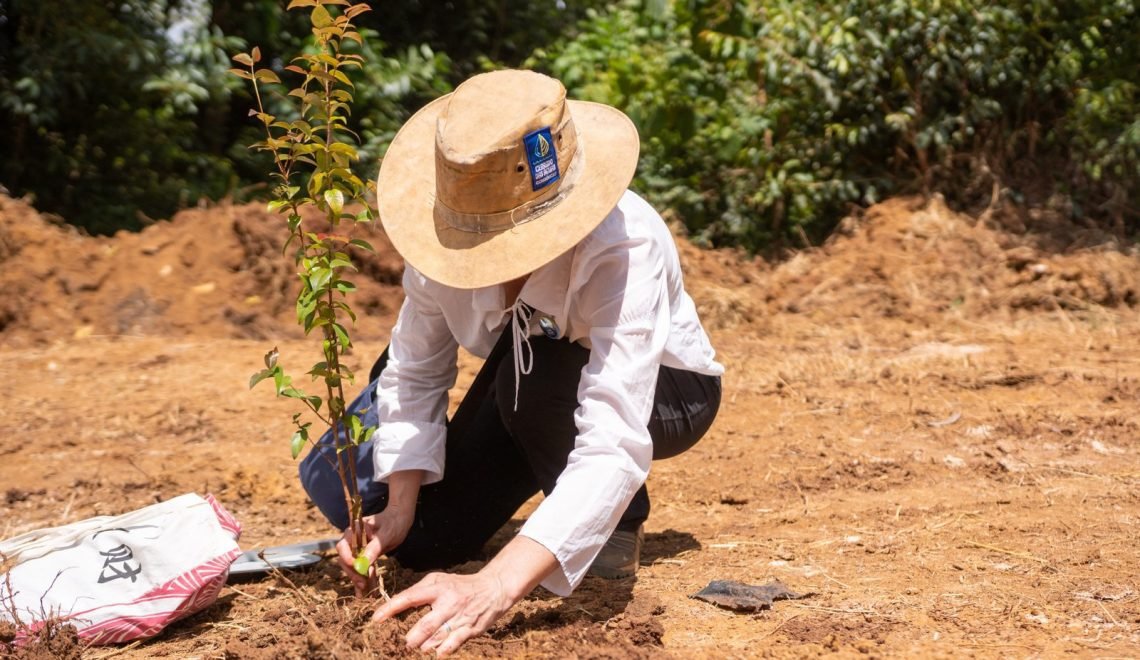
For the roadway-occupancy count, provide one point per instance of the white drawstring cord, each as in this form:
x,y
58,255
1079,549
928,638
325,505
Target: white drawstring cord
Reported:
x,y
520,331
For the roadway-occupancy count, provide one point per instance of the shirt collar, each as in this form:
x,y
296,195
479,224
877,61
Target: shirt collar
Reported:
x,y
546,290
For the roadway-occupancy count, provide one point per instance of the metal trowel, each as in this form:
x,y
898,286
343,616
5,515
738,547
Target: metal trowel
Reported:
x,y
282,557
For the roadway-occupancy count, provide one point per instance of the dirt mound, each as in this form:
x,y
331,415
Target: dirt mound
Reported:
x,y
219,272
50,641
214,272
912,260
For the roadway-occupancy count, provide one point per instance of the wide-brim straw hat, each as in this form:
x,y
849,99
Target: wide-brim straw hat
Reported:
x,y
501,176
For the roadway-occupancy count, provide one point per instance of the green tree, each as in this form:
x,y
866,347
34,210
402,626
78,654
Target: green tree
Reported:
x,y
477,34
101,101
765,119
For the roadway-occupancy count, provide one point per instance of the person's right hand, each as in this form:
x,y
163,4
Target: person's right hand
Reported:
x,y
383,533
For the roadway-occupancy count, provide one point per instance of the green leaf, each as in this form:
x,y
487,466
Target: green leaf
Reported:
x,y
321,17
319,278
307,319
267,76
280,380
298,442
306,301
259,376
361,563
316,182
362,244
341,335
293,393
355,10
354,428
335,200
347,310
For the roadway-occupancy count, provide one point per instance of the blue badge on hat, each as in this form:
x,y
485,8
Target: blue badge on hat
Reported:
x,y
541,157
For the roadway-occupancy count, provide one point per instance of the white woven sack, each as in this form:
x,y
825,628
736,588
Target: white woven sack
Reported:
x,y
119,578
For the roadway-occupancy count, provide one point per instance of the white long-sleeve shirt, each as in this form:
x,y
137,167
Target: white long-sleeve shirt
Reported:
x,y
618,292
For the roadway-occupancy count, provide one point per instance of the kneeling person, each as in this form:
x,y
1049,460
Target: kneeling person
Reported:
x,y
509,204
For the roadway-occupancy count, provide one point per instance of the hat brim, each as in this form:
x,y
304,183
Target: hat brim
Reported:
x,y
468,260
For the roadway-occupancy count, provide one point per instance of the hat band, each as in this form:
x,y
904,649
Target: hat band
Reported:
x,y
488,223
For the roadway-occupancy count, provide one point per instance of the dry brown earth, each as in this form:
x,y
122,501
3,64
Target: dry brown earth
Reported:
x,y
931,422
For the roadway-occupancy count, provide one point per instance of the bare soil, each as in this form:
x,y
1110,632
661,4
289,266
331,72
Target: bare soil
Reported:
x,y
931,423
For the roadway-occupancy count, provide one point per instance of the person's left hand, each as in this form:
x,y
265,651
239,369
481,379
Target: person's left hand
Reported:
x,y
462,606
383,533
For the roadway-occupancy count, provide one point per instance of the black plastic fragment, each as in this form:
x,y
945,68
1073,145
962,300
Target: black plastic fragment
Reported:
x,y
746,597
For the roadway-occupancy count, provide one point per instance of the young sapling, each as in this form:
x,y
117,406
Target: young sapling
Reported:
x,y
313,154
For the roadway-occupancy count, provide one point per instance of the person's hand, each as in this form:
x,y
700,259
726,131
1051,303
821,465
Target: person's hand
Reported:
x,y
383,533
462,606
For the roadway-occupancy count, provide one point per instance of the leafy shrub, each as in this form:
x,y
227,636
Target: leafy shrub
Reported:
x,y
99,108
763,119
115,111
476,34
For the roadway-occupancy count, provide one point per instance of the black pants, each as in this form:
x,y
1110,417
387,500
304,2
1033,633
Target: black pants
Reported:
x,y
505,456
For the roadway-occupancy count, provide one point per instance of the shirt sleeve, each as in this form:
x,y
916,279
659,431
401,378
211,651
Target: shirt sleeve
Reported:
x,y
411,392
623,295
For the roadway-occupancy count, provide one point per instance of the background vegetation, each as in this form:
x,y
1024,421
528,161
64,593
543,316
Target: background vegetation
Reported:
x,y
762,121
